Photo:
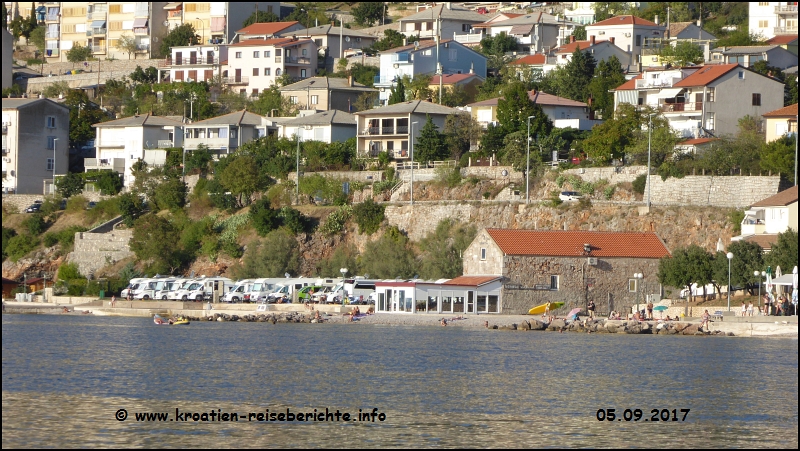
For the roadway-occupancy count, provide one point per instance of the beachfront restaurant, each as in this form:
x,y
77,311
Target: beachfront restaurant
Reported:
x,y
465,294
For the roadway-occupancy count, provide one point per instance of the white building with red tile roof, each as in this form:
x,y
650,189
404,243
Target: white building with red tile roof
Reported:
x,y
703,100
266,30
562,111
255,64
765,219
781,122
600,50
632,34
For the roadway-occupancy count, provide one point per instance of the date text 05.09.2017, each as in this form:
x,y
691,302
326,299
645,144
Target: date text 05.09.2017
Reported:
x,y
638,415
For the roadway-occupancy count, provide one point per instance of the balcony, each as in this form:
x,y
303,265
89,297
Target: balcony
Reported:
x,y
384,80
96,32
236,80
5,127
97,164
665,82
98,49
165,144
297,60
786,9
785,30
175,14
51,52
52,34
468,38
681,107
52,17
141,30
188,61
400,58
142,47
376,131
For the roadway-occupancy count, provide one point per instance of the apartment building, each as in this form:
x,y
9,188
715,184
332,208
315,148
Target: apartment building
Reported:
x,y
632,34
563,112
333,42
535,33
772,19
215,22
325,93
747,55
781,122
600,50
224,134
266,30
121,143
443,20
35,144
195,63
703,100
255,64
326,126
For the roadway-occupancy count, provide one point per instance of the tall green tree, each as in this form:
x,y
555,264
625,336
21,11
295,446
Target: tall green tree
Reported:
x,y
272,256
778,156
69,185
367,13
156,242
260,17
784,252
579,72
389,256
682,54
398,93
390,40
514,108
83,113
37,38
182,35
686,266
78,54
607,76
442,250
747,257
430,145
127,44
241,178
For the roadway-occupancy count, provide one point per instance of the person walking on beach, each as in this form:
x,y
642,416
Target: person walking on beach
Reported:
x,y
649,310
706,317
744,309
590,307
750,309
113,300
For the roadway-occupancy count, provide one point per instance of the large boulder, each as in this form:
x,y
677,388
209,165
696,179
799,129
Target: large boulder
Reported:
x,y
557,324
524,325
537,325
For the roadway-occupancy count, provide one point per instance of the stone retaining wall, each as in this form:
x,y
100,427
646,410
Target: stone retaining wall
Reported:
x,y
108,69
729,191
494,173
614,175
93,251
18,202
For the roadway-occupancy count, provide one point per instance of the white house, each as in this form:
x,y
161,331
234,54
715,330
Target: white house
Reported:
x,y
224,134
774,55
122,142
414,60
255,64
600,50
703,100
765,219
443,20
266,30
563,112
772,19
195,62
632,34
466,294
327,126
334,42
535,33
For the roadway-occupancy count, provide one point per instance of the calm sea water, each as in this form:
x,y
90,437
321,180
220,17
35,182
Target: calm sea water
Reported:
x,y
66,377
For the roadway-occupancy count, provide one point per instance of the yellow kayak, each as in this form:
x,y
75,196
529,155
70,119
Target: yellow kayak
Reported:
x,y
180,322
539,309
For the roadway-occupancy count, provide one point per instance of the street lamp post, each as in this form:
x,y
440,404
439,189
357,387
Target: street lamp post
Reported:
x,y
730,257
528,163
757,274
55,142
638,276
412,161
203,25
649,145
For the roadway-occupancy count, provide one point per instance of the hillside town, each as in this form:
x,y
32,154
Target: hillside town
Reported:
x,y
463,157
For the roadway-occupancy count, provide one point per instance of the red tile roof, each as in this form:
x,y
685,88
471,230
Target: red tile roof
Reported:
x,y
705,75
781,199
570,243
696,141
472,281
625,20
273,41
790,110
765,240
583,45
539,58
543,99
450,79
267,28
630,84
783,39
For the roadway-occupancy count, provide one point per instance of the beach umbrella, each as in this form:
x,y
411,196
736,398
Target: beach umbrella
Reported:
x,y
778,273
573,312
660,308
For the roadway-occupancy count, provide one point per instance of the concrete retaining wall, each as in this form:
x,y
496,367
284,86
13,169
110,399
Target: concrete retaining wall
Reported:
x,y
108,70
93,251
730,191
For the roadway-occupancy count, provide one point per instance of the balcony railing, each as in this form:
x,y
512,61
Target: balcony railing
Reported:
x,y
784,9
297,60
98,49
51,18
666,82
142,12
188,61
468,38
164,143
679,107
141,30
400,58
142,47
236,80
386,80
97,31
51,52
52,34
786,30
174,14
278,59
399,130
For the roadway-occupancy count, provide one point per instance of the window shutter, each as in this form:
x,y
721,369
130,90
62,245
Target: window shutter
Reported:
x,y
114,8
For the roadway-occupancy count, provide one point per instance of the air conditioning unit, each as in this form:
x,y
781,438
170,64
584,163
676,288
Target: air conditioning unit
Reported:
x,y
592,261
627,35
216,48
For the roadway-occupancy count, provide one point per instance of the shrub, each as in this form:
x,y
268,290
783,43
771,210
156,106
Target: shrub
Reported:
x,y
449,177
7,235
336,221
608,192
293,220
368,215
69,271
639,184
76,287
19,246
76,203
736,217
35,224
263,217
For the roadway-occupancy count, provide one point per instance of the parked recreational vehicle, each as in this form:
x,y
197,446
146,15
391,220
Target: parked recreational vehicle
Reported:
x,y
237,293
203,288
261,288
132,286
287,288
356,289
169,289
148,289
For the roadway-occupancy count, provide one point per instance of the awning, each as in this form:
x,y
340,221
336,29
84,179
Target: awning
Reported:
x,y
669,93
41,9
140,23
627,96
517,30
173,5
98,24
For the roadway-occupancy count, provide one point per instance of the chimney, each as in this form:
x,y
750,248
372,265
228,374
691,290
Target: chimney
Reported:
x,y
571,38
656,19
350,80
612,39
448,5
405,41
591,40
472,67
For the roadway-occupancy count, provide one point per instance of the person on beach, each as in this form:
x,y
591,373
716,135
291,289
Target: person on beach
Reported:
x,y
113,301
590,307
750,309
649,310
547,309
779,306
443,322
706,317
744,309
766,304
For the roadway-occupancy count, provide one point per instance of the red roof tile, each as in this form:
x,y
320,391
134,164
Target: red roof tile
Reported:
x,y
781,199
705,75
472,281
696,141
630,84
267,28
765,240
559,243
539,58
543,99
583,45
273,41
625,20
790,110
782,39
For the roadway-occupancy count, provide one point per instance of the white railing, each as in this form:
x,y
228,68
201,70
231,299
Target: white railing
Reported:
x,y
468,38
666,82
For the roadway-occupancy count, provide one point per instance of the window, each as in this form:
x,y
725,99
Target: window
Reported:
x,y
710,95
429,25
305,52
756,99
293,100
255,93
233,133
256,53
255,72
267,71
466,27
389,145
763,23
418,26
554,282
632,285
278,72
638,40
314,100
453,55
483,253
51,122
741,75
710,121
49,164
277,52
267,53
238,54
318,42
51,142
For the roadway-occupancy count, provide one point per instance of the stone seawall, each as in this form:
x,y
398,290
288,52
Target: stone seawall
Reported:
x,y
93,251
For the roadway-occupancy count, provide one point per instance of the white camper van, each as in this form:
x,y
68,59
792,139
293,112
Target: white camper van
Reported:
x,y
203,288
149,289
237,293
133,285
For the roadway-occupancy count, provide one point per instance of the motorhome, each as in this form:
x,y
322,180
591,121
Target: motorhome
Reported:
x,y
237,293
132,286
357,289
169,289
148,289
287,288
261,288
203,288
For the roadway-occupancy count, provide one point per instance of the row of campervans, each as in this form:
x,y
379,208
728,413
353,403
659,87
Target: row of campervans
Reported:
x,y
176,288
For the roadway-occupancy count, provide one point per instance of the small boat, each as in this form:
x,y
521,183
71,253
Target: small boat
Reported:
x,y
539,309
170,322
180,321
160,321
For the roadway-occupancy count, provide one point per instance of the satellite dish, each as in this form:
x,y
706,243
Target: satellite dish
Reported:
x,y
286,275
147,143
166,23
535,37
347,39
416,43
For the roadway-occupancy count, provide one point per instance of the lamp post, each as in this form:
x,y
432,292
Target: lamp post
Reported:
x,y
762,274
649,145
730,257
203,25
412,161
528,163
638,276
55,142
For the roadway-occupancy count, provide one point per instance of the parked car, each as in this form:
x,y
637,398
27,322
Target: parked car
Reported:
x,y
569,195
35,207
91,205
